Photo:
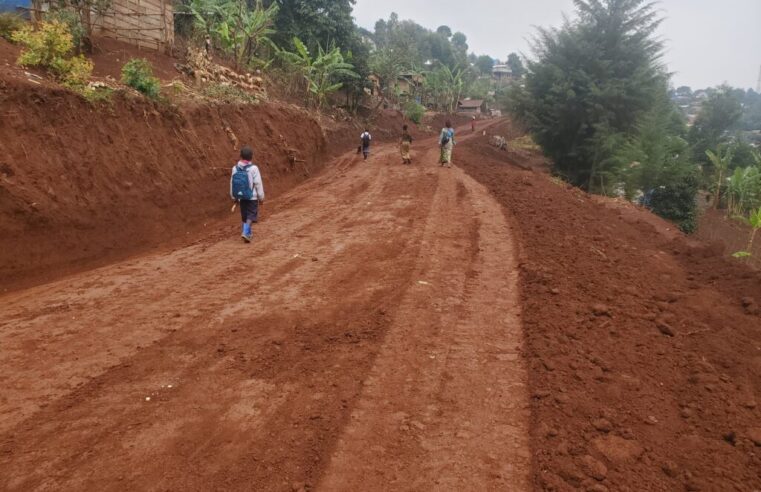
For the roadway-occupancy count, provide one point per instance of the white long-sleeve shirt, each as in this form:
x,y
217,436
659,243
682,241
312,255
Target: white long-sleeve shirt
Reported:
x,y
254,180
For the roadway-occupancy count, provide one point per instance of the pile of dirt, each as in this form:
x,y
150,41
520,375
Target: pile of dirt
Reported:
x,y
643,347
82,185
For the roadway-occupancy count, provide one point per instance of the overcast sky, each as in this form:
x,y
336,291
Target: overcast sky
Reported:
x,y
709,42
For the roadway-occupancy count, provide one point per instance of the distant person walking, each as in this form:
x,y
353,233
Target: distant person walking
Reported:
x,y
247,189
447,143
406,145
365,140
473,125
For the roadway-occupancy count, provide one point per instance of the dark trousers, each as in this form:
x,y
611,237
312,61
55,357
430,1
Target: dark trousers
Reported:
x,y
249,210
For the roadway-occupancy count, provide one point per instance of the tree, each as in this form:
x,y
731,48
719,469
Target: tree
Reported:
x,y
751,118
515,64
721,161
684,91
387,65
718,115
589,85
460,42
485,63
320,72
84,10
240,30
315,22
444,31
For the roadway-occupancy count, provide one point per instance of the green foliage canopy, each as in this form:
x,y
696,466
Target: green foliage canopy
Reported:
x,y
590,84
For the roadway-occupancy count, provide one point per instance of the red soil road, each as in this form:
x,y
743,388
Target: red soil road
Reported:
x,y
643,348
369,339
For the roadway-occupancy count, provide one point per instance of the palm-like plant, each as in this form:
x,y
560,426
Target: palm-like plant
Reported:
x,y
754,221
239,30
744,190
721,161
319,72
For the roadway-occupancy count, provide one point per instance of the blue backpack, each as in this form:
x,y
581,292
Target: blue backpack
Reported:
x,y
240,185
448,135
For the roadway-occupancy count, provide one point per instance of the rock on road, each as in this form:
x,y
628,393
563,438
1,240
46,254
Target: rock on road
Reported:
x,y
369,339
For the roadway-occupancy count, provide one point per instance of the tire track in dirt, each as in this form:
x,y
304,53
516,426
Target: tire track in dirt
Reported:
x,y
445,405
252,378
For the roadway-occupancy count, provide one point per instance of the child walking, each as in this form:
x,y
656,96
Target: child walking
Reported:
x,y
405,145
365,139
247,189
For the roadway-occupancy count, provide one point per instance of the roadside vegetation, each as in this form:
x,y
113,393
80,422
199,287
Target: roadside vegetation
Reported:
x,y
138,74
596,99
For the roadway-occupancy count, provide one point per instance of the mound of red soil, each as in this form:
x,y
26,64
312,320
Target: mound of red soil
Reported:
x,y
82,185
644,349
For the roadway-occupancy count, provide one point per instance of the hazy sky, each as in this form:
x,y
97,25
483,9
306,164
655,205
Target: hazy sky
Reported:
x,y
709,42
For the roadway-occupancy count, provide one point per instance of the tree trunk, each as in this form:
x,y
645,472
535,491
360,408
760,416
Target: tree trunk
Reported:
x,y
717,198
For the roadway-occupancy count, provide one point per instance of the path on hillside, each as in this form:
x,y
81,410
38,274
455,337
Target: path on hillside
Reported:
x,y
369,339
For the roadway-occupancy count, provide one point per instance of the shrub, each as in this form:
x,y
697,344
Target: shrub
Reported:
x,y
414,111
96,95
138,74
50,47
46,47
10,23
676,202
76,71
73,22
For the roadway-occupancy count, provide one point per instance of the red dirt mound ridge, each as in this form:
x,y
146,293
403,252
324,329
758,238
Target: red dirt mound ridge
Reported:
x,y
644,350
82,185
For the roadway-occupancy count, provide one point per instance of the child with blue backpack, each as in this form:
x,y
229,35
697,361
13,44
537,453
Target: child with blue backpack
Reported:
x,y
247,189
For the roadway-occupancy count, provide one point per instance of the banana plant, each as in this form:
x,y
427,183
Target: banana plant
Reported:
x,y
319,72
754,221
721,161
239,30
744,190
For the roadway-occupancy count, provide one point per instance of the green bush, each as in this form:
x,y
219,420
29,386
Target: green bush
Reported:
x,y
676,202
46,47
10,23
72,21
138,74
50,48
414,111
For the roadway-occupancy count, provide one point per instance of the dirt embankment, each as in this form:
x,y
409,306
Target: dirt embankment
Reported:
x,y
81,185
643,350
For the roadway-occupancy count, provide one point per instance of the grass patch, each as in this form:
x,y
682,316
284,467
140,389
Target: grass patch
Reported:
x,y
229,94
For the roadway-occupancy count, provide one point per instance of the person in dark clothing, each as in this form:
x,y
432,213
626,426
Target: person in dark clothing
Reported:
x,y
365,140
405,145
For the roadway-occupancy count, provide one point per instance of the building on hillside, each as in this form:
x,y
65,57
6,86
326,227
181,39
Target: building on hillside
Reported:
x,y
375,85
475,107
142,23
409,84
502,74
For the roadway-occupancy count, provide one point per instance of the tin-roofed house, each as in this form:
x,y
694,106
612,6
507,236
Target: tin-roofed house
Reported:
x,y
476,107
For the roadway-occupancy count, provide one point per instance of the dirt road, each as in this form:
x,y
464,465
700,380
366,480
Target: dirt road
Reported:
x,y
369,339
